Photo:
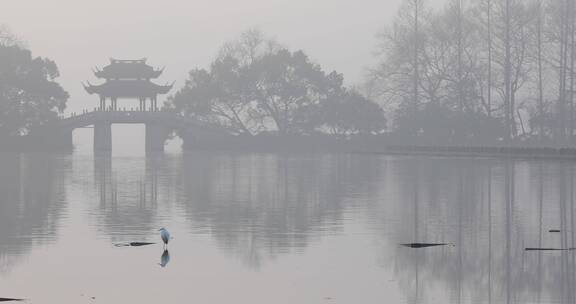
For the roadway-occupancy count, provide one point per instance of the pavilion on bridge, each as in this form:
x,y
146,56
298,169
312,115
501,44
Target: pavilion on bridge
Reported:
x,y
128,79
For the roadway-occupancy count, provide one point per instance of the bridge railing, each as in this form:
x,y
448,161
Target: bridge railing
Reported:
x,y
168,117
124,110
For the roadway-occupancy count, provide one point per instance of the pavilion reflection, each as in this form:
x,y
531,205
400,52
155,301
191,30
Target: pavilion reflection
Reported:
x,y
128,196
32,201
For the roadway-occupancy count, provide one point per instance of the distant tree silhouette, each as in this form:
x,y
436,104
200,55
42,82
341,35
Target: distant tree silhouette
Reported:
x,y
216,96
437,124
29,94
352,113
508,59
255,86
288,90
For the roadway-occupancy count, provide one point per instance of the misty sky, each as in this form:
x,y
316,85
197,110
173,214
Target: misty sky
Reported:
x,y
178,34
183,34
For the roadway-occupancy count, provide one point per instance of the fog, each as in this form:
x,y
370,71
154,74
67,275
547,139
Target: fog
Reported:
x,y
181,35
288,151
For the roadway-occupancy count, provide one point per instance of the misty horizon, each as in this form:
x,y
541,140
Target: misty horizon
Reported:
x,y
182,36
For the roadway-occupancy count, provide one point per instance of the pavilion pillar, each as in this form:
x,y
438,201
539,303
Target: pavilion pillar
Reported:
x,y
156,135
102,137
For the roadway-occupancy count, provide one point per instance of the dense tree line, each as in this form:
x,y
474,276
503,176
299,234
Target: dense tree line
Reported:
x,y
473,72
29,93
256,86
480,71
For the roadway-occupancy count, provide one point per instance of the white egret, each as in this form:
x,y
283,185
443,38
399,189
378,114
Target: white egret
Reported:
x,y
165,235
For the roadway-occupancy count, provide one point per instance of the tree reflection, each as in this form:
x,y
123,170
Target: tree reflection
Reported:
x,y
259,206
492,210
32,200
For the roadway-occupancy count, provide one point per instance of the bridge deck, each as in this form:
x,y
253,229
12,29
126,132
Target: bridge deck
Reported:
x,y
167,118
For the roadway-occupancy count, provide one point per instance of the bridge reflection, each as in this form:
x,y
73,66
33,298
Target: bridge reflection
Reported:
x,y
127,194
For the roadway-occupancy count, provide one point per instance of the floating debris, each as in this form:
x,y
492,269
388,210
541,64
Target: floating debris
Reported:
x,y
425,245
10,300
138,244
133,244
549,249
554,230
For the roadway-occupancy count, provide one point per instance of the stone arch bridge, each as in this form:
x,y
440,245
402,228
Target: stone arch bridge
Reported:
x,y
159,126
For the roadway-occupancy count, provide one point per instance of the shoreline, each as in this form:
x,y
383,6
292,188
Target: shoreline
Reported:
x,y
369,145
528,153
376,146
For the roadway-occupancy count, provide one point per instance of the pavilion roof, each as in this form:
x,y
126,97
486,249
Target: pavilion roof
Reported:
x,y
128,89
127,69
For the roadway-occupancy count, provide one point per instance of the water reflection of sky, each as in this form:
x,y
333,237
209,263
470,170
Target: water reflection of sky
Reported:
x,y
265,228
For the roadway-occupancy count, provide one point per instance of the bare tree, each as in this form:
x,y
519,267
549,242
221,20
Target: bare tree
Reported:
x,y
563,11
251,45
7,38
489,35
451,70
572,55
460,50
398,79
416,6
508,107
539,25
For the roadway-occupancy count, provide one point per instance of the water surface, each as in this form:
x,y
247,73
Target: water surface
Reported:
x,y
285,228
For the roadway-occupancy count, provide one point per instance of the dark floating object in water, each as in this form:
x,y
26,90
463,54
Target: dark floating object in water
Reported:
x,y
554,230
10,300
133,244
137,244
425,245
549,249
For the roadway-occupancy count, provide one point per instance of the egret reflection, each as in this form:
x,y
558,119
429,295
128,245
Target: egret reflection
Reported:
x,y
165,258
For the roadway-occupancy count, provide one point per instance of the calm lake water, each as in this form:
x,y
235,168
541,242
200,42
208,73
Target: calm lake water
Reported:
x,y
285,228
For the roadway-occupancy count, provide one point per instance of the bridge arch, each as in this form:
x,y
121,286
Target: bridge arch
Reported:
x,y
158,127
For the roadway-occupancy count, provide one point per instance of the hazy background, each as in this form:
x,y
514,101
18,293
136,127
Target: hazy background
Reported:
x,y
78,35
